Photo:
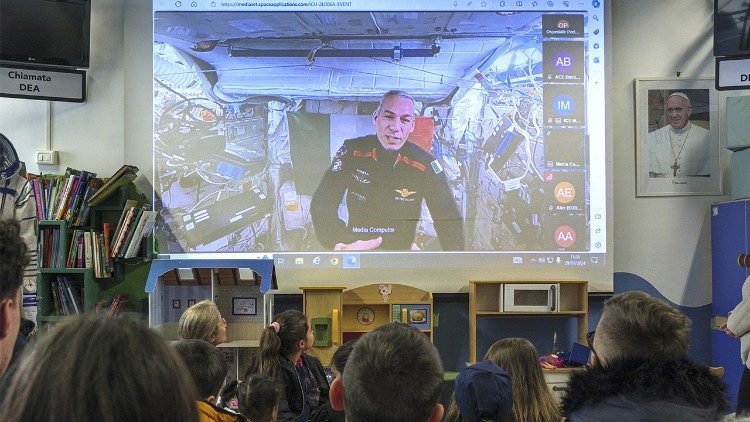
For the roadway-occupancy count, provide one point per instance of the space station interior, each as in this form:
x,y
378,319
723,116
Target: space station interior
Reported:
x,y
250,108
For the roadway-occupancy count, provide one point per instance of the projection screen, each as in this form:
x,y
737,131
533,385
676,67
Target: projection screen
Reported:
x,y
272,139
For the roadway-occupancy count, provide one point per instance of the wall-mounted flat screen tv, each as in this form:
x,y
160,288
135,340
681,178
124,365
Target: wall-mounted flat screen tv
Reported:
x,y
45,32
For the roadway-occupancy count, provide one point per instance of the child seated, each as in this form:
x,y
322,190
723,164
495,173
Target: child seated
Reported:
x,y
208,368
258,397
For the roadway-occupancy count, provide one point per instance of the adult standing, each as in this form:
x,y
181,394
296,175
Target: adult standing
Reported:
x,y
738,325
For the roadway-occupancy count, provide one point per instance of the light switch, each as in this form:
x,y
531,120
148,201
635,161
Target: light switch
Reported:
x,y
46,157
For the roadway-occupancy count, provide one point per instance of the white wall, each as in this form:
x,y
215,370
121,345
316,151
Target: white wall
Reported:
x,y
665,240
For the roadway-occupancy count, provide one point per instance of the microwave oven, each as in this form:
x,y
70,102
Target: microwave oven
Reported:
x,y
531,297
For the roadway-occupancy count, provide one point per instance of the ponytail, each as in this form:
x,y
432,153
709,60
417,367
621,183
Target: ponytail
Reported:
x,y
268,352
280,338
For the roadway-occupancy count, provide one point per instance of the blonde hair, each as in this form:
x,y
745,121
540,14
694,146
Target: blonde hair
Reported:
x,y
532,400
200,321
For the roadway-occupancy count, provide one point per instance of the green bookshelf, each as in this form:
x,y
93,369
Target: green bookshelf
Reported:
x,y
82,278
129,276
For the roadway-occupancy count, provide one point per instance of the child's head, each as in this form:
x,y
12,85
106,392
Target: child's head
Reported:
x,y
394,374
102,369
532,399
207,365
289,333
338,364
515,355
258,398
339,358
483,393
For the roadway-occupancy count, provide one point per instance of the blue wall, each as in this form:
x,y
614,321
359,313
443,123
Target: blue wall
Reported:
x,y
700,330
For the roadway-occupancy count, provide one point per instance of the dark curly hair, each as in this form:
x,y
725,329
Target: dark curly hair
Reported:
x,y
13,258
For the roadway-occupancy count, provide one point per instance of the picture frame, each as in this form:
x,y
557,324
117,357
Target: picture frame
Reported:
x,y
418,316
678,150
244,306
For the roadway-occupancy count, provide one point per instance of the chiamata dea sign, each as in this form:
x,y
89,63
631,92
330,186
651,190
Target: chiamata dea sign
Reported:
x,y
42,83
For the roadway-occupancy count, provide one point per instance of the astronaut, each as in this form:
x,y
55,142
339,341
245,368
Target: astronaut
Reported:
x,y
385,179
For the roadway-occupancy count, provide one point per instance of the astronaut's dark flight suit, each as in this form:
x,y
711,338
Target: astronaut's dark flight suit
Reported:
x,y
384,197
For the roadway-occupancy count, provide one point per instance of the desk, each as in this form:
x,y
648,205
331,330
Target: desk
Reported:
x,y
557,381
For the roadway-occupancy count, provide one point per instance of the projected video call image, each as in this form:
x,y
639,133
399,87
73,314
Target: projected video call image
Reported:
x,y
371,131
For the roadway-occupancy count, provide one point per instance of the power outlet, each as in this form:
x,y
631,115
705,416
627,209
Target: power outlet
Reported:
x,y
47,157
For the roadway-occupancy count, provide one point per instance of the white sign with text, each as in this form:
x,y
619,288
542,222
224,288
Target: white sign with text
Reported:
x,y
42,83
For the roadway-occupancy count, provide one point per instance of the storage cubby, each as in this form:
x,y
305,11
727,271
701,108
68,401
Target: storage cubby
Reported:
x,y
489,298
486,300
360,310
81,279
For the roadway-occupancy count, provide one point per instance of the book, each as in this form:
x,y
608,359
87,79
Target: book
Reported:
x,y
138,233
71,183
34,180
123,176
95,255
73,249
65,305
81,254
56,258
116,303
107,232
83,214
129,204
65,186
56,298
101,253
396,313
88,251
73,296
126,225
128,236
50,187
144,231
78,196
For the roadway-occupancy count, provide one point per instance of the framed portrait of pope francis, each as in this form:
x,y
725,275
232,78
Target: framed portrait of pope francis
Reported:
x,y
677,137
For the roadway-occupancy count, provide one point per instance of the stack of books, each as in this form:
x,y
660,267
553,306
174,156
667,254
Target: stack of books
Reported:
x,y
122,177
136,222
64,197
66,297
48,247
88,249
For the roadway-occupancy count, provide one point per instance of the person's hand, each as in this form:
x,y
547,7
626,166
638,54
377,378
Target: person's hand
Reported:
x,y
723,327
546,365
359,245
414,247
